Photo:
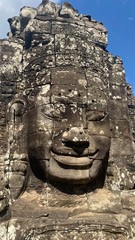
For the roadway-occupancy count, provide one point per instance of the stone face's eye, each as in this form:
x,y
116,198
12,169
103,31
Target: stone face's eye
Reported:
x,y
53,111
95,116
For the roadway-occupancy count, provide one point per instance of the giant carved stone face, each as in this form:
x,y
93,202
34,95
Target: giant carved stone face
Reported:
x,y
68,139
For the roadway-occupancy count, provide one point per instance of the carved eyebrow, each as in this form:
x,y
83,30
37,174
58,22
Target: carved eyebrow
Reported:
x,y
51,116
95,116
50,113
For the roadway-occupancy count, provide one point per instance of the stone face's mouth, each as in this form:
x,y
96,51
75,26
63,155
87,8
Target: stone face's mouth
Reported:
x,y
73,161
70,152
76,169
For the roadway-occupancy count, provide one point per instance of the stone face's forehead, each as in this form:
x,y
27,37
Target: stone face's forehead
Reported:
x,y
70,85
68,76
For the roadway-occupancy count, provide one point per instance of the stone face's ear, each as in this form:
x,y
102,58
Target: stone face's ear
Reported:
x,y
16,171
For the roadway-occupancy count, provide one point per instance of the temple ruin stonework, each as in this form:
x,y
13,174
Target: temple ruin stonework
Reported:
x,y
67,130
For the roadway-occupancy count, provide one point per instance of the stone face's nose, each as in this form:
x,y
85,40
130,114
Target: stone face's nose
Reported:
x,y
76,139
75,134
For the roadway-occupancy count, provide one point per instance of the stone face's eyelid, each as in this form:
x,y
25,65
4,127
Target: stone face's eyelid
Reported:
x,y
97,117
51,116
47,115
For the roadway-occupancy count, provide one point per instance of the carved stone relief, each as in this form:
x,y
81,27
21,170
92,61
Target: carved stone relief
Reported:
x,y
66,130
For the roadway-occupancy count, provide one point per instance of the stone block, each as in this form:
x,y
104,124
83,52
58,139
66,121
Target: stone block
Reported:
x,y
127,198
36,26
59,28
118,92
120,129
125,148
113,108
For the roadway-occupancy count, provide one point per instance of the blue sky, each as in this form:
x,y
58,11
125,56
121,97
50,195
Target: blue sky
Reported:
x,y
118,17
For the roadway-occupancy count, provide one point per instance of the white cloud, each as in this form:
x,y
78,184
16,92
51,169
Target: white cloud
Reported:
x,y
124,2
56,1
6,7
98,3
11,8
131,19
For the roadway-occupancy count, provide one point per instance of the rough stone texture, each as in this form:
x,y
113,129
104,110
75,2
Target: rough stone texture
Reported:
x,y
67,130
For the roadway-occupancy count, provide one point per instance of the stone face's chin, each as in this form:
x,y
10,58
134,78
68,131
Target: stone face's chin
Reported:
x,y
75,170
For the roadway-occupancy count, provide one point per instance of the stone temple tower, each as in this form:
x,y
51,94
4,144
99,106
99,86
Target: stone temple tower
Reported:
x,y
67,130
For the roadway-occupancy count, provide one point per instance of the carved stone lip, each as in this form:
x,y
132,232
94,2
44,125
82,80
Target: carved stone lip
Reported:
x,y
65,151
73,161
